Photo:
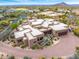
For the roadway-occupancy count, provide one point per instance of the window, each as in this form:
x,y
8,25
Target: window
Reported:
x,y
20,40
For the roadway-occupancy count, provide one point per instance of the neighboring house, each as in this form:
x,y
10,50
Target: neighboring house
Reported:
x,y
63,10
52,14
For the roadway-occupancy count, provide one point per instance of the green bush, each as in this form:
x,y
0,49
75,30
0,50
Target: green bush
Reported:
x,y
4,23
25,57
77,50
76,55
76,32
11,57
23,46
63,21
15,25
1,28
43,57
60,58
35,46
77,22
53,58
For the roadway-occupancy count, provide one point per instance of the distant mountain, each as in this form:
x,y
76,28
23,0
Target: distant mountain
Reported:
x,y
61,4
65,4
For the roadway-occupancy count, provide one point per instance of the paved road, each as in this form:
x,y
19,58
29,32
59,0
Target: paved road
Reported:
x,y
65,47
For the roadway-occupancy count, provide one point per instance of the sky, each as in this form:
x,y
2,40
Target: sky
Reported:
x,y
36,2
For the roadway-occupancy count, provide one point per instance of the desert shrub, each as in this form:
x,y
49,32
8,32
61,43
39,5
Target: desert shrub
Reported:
x,y
53,58
76,32
25,57
15,25
43,57
76,55
22,46
11,57
35,46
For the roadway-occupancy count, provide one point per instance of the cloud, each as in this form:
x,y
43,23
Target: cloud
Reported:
x,y
8,0
72,1
28,2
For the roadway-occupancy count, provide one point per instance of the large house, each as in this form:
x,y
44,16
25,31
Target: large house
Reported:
x,y
35,29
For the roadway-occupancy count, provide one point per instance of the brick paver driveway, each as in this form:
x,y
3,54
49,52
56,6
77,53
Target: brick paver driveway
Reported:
x,y
65,47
